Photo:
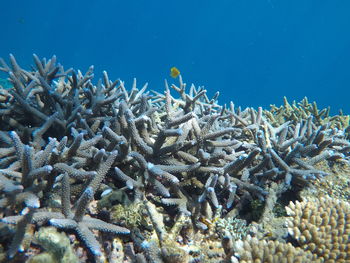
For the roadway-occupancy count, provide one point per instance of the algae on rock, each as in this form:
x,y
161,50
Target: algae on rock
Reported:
x,y
57,247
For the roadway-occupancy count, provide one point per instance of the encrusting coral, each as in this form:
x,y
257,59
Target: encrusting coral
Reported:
x,y
188,165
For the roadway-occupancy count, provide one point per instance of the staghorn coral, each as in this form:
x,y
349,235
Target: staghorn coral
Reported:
x,y
76,221
184,157
303,110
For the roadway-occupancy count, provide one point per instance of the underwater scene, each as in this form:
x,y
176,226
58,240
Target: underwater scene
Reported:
x,y
182,132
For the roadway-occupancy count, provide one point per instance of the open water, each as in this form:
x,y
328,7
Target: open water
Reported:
x,y
253,51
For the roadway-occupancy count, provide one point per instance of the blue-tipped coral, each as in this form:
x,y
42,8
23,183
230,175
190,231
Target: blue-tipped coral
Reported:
x,y
185,158
80,223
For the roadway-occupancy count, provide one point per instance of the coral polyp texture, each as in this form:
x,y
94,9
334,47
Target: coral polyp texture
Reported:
x,y
170,176
254,250
322,227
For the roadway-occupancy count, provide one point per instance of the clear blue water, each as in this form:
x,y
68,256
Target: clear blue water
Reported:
x,y
253,52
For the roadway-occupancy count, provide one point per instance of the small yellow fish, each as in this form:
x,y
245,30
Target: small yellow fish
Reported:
x,y
174,72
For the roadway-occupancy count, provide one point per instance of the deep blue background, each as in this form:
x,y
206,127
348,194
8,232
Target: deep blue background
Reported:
x,y
253,52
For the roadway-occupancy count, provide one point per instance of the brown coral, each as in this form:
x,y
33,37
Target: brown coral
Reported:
x,y
254,250
322,227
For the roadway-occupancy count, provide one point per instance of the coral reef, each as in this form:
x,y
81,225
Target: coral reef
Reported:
x,y
319,226
171,178
322,227
254,250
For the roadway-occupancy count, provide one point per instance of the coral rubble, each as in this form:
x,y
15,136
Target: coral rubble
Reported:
x,y
171,178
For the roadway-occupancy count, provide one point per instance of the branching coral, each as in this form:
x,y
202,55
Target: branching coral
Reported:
x,y
184,155
82,224
76,221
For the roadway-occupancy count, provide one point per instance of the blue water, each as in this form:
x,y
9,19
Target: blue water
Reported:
x,y
253,52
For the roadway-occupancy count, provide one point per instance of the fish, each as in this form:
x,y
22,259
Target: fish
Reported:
x,y
174,72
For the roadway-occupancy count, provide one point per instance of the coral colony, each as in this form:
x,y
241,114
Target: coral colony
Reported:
x,y
95,172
